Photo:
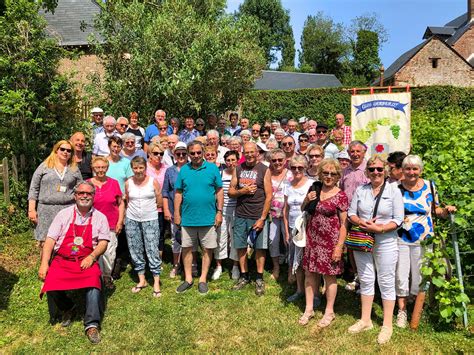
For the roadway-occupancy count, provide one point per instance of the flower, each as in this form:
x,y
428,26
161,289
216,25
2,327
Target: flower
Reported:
x,y
379,148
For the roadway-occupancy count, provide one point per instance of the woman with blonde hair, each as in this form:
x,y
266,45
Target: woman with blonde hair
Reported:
x,y
51,187
314,154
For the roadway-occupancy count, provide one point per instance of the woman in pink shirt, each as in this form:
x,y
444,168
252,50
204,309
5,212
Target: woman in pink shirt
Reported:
x,y
108,200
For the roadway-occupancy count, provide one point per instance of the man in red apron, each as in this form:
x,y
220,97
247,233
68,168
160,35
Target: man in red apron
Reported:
x,y
77,237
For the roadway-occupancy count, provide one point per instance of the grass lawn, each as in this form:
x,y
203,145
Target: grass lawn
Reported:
x,y
222,321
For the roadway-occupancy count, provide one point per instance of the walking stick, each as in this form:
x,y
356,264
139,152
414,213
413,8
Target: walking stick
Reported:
x,y
418,310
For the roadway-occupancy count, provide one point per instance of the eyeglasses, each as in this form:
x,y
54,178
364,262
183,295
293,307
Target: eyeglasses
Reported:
x,y
181,155
65,150
312,156
278,160
287,144
255,130
199,124
163,128
87,193
329,173
303,140
129,143
123,125
158,153
372,169
312,135
297,168
195,153
321,132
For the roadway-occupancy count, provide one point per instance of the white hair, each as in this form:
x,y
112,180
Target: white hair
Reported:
x,y
212,132
245,132
413,160
109,119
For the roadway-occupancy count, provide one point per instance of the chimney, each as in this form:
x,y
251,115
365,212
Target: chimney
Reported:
x,y
470,10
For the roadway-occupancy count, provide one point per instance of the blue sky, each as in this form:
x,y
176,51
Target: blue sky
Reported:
x,y
405,20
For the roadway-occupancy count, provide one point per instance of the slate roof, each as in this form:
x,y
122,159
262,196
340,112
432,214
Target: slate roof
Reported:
x,y
446,31
69,15
278,80
401,61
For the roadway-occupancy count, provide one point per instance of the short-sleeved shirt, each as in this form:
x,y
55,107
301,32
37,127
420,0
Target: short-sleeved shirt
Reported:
x,y
188,136
138,153
278,196
105,200
168,186
158,176
62,221
418,222
198,186
120,171
139,134
101,144
152,131
352,178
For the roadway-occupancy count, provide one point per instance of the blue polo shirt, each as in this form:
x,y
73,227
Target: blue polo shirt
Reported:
x,y
198,186
152,130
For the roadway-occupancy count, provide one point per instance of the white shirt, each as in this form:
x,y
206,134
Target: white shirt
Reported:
x,y
101,144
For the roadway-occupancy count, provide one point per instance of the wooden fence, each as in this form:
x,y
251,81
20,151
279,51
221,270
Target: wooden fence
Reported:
x,y
5,174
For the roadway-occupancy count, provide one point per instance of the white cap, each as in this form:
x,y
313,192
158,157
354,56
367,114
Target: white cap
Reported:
x,y
343,155
180,145
262,146
97,110
302,119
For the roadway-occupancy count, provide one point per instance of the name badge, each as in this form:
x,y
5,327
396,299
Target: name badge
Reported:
x,y
78,241
61,188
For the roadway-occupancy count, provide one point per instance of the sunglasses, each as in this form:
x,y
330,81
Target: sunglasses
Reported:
x,y
158,153
287,144
297,168
200,124
311,156
181,155
255,130
379,169
303,140
65,149
123,125
163,128
321,132
329,173
129,143
278,160
264,135
195,153
87,193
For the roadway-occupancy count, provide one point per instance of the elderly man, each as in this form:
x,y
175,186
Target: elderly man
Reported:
x,y
153,130
312,135
340,125
303,121
244,125
213,140
312,124
274,126
256,133
289,147
81,157
188,133
168,157
322,139
198,204
76,239
293,130
211,121
97,118
101,140
234,120
121,126
251,185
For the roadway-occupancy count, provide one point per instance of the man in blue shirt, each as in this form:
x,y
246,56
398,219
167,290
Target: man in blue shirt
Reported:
x,y
188,134
198,204
153,130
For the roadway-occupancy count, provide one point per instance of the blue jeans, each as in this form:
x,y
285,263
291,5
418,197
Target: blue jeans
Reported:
x,y
94,307
144,237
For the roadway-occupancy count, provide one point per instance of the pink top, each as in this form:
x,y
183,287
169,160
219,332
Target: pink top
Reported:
x,y
105,200
158,176
352,178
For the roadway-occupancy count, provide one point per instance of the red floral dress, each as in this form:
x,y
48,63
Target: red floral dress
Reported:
x,y
322,235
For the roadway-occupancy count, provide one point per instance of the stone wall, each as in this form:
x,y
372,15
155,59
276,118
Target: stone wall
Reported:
x,y
465,44
451,69
82,68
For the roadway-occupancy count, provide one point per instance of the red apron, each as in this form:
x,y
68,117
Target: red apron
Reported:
x,y
65,271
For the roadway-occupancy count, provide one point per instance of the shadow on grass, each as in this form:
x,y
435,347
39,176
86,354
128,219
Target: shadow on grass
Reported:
x,y
8,281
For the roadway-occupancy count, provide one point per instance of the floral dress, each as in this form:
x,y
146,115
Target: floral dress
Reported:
x,y
323,234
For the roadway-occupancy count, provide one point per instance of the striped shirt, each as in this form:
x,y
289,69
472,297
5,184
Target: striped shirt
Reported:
x,y
229,203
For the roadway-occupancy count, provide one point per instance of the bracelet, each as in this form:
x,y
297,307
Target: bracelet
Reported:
x,y
383,230
93,257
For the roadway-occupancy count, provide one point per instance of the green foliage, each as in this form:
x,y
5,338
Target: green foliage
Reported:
x,y
366,62
275,33
13,217
169,56
37,105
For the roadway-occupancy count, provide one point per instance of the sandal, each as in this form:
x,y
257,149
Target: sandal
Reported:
x,y
304,319
156,294
137,289
326,320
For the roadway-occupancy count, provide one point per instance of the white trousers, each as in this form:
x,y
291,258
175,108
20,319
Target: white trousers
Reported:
x,y
382,262
409,264
107,260
225,235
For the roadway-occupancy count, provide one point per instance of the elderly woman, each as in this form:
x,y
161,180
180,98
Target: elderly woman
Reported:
x,y
280,176
119,167
419,195
279,135
315,155
135,128
175,124
156,169
264,134
377,207
338,139
326,232
143,194
108,200
81,157
271,144
294,193
51,188
245,135
130,150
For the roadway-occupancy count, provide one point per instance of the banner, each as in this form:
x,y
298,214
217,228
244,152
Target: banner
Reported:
x,y
382,122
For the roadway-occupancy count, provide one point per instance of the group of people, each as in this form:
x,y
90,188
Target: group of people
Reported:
x,y
287,193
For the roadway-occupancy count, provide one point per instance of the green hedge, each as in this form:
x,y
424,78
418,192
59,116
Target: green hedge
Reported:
x,y
323,104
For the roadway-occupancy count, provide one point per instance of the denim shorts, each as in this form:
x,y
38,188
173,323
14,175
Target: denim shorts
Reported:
x,y
242,227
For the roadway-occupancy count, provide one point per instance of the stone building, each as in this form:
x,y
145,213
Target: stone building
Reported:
x,y
445,57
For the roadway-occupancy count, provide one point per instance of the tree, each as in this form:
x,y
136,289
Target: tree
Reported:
x,y
323,46
171,56
37,105
275,33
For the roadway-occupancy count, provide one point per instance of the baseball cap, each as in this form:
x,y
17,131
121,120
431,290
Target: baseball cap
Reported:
x,y
343,155
302,119
180,145
322,125
97,110
262,146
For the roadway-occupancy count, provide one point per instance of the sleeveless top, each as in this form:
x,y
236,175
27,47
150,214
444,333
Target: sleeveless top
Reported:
x,y
251,206
142,201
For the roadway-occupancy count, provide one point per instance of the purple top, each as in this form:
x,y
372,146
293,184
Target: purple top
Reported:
x,y
352,178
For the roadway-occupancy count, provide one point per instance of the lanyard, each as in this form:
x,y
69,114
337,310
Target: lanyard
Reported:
x,y
61,175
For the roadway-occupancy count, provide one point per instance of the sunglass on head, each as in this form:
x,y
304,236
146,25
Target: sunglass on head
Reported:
x,y
183,154
329,173
158,153
277,160
287,144
297,168
311,156
65,149
195,153
372,169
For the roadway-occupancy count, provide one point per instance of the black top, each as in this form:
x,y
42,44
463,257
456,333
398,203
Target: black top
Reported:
x,y
85,166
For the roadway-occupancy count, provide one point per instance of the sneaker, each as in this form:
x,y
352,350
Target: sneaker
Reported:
x,y
316,302
235,272
195,270
184,287
217,273
203,288
295,297
174,271
93,335
240,284
259,287
402,319
360,326
384,335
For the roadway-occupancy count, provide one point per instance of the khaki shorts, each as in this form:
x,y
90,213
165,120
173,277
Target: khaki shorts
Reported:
x,y
193,236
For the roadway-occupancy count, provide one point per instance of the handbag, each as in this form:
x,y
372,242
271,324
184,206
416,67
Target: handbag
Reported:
x,y
360,240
